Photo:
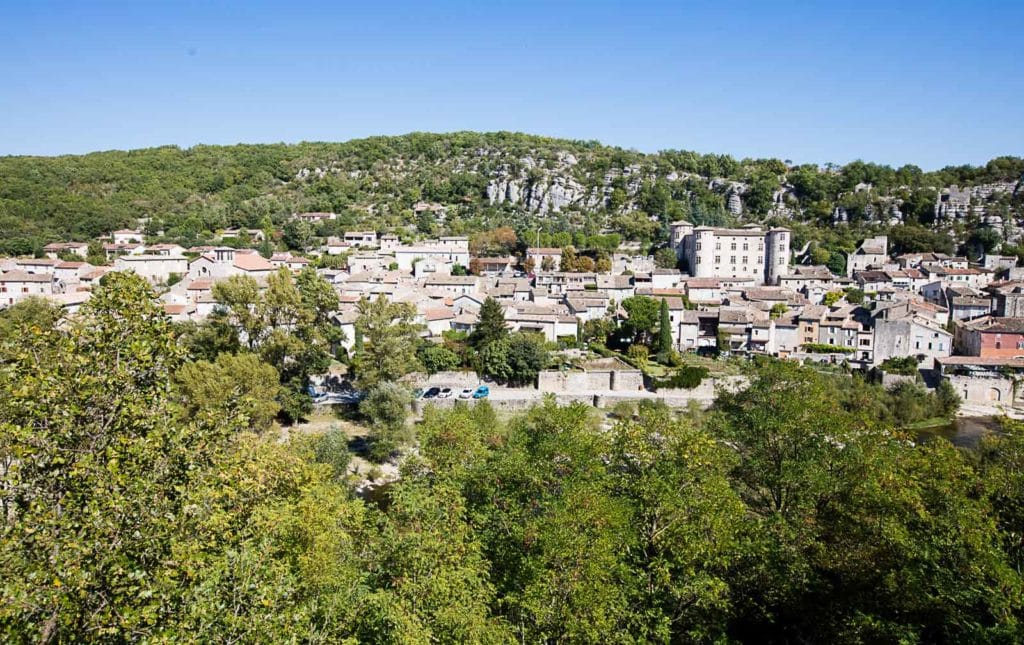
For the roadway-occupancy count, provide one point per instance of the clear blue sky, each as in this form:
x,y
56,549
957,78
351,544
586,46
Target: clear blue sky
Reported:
x,y
931,83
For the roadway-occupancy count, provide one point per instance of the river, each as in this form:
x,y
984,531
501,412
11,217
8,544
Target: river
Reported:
x,y
963,432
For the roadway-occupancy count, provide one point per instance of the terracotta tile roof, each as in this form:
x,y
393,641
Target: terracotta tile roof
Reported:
x,y
22,276
248,262
438,314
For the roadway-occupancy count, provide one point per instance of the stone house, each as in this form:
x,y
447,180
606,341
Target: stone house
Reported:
x,y
54,249
17,285
873,253
544,257
154,268
991,337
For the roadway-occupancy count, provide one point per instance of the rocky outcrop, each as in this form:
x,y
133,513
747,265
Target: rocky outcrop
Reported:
x,y
542,182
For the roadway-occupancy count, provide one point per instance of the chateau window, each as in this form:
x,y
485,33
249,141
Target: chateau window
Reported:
x,y
718,259
732,260
745,245
698,246
745,259
732,247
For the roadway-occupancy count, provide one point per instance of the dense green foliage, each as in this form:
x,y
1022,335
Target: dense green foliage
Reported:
x,y
825,348
788,513
189,194
686,378
286,325
903,365
387,339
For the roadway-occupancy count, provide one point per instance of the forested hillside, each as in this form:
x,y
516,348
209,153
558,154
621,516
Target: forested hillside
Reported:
x,y
489,179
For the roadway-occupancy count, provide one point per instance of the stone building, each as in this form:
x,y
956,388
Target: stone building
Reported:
x,y
872,253
748,252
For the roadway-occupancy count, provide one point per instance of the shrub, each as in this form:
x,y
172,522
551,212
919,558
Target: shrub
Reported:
x,y
386,409
437,358
623,410
685,378
822,348
903,365
332,449
567,342
948,399
638,354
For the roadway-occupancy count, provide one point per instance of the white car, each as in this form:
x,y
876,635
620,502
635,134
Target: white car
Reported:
x,y
466,393
446,393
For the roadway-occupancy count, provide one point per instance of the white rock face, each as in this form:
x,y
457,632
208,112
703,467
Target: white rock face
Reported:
x,y
735,204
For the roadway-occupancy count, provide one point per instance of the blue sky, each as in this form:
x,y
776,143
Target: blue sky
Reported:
x,y
930,83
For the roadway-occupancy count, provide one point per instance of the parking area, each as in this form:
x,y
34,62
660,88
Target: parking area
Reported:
x,y
444,391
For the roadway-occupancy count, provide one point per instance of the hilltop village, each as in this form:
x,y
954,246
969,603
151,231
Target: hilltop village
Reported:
x,y
727,291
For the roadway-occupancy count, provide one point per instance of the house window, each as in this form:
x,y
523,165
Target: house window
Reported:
x,y
1020,344
999,345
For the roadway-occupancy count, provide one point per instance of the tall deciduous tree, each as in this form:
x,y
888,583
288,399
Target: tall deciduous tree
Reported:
x,y
241,383
643,317
389,340
569,259
93,493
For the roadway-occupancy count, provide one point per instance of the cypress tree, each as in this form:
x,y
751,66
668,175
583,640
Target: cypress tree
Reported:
x,y
664,331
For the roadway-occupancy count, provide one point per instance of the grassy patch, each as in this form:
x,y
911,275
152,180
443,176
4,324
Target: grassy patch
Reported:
x,y
933,422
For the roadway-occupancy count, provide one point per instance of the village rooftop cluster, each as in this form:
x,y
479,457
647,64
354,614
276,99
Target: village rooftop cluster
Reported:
x,y
744,292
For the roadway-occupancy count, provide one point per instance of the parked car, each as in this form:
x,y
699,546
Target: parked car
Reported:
x,y
482,392
431,393
417,393
466,393
446,392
